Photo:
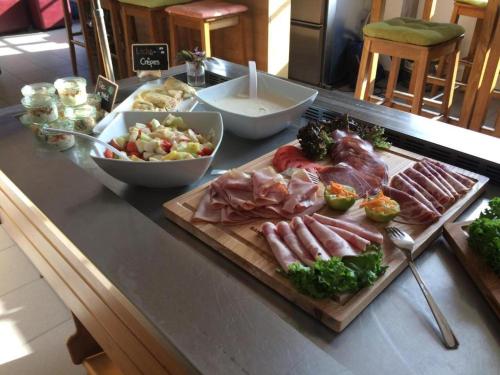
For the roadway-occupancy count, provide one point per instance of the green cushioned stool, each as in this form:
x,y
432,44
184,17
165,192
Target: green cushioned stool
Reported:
x,y
418,41
413,31
476,3
152,17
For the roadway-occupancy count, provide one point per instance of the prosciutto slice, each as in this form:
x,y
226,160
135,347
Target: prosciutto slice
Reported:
x,y
412,210
331,241
293,243
457,185
434,178
466,181
357,164
438,206
357,242
281,252
308,240
367,232
428,185
400,183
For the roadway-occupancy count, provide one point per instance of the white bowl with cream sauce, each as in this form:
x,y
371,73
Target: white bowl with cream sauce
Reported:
x,y
278,104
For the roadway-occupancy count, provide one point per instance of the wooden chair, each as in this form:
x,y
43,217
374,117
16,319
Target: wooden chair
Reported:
x,y
151,14
206,16
465,8
485,93
479,62
88,42
401,38
117,43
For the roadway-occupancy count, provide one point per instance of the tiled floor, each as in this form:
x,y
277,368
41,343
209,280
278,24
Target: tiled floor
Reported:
x,y
35,57
34,323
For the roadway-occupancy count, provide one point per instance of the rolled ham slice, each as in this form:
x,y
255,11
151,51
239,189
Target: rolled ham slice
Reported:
x,y
428,185
368,233
291,240
457,185
357,242
400,183
308,240
436,178
331,241
466,181
281,252
412,210
438,206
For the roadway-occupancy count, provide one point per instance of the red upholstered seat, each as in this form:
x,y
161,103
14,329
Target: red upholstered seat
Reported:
x,y
206,9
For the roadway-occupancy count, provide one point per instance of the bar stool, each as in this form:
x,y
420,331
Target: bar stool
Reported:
x,y
206,16
152,14
486,89
416,40
468,8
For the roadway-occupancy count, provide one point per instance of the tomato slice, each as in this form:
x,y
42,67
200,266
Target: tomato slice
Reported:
x,y
108,154
131,147
166,146
205,151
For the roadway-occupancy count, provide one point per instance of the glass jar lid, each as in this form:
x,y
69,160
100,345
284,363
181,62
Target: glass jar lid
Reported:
x,y
41,88
70,82
38,100
58,124
82,111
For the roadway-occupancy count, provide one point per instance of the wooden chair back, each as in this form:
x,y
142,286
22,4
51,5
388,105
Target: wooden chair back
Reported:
x,y
378,7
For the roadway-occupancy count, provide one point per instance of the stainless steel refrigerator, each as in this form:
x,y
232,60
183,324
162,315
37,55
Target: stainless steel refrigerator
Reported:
x,y
321,30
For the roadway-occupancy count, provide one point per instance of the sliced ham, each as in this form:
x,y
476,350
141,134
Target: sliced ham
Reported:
x,y
428,185
308,240
344,174
357,242
436,178
400,183
457,185
281,252
412,210
237,197
441,178
438,206
466,181
291,240
367,232
331,241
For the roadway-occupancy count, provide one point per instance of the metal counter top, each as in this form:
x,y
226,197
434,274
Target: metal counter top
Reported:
x,y
218,316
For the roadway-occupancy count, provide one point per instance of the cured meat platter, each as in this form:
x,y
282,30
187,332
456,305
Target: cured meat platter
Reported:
x,y
485,279
244,244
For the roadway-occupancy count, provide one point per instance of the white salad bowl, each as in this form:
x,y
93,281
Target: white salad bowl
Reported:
x,y
261,126
159,174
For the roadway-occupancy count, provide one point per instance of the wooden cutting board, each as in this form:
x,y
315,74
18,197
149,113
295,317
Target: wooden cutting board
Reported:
x,y
244,245
488,283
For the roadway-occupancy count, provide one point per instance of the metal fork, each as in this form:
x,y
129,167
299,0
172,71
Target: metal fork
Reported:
x,y
405,243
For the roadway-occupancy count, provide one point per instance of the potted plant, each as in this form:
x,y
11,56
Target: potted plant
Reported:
x,y
195,66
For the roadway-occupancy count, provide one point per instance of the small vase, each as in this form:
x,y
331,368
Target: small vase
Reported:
x,y
195,74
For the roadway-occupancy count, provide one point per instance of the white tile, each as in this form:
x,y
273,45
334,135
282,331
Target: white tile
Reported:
x,y
31,310
16,270
5,240
46,355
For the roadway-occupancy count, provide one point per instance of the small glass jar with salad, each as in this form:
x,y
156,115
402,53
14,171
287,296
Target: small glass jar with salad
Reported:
x,y
83,118
40,108
52,141
72,90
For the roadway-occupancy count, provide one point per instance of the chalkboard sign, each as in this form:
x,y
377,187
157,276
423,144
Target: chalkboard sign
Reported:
x,y
149,57
107,90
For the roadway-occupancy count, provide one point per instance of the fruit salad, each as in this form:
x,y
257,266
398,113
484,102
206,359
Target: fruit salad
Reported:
x,y
170,139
